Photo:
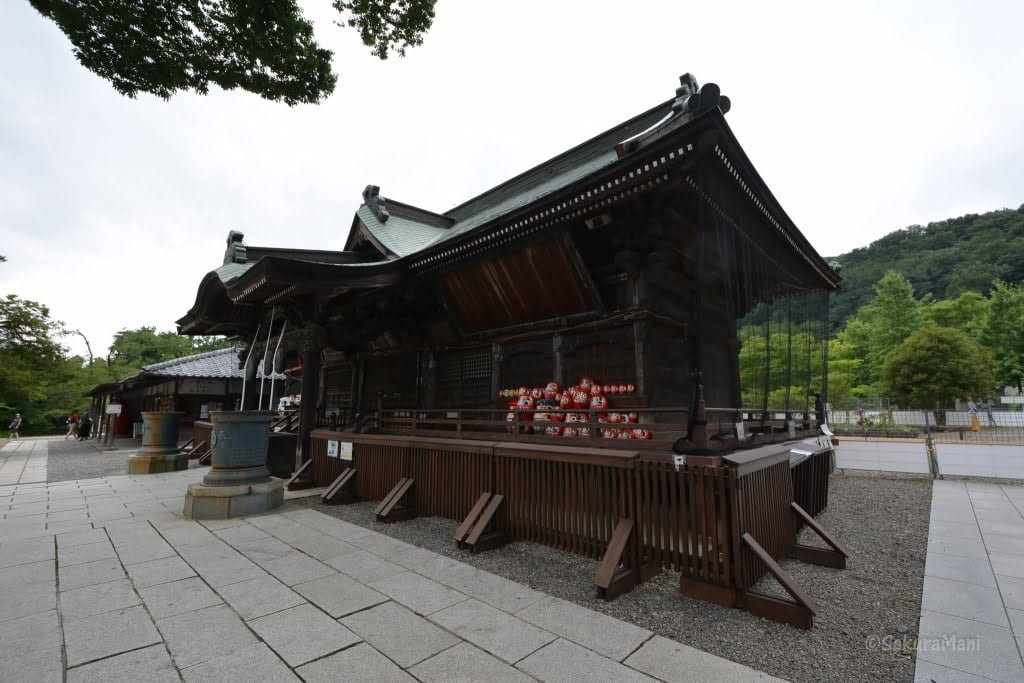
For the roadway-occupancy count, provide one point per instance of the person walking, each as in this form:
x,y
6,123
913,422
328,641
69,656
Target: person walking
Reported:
x,y
73,421
15,425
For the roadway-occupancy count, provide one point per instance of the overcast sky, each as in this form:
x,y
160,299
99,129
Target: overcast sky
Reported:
x,y
862,117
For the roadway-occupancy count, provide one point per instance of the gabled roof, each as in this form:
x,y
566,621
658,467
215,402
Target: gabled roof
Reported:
x,y
221,363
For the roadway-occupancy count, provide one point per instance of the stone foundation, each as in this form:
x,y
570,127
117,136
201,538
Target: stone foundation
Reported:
x,y
156,464
223,502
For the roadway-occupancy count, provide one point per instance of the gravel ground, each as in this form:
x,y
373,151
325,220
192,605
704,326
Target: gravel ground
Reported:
x,y
70,460
883,522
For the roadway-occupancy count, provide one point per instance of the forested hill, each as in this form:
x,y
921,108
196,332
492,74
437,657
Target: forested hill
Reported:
x,y
943,259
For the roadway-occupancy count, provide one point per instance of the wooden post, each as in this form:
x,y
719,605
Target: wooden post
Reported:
x,y
311,341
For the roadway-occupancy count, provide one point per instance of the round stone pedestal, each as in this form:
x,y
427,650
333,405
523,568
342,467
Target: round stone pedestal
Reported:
x,y
160,452
238,482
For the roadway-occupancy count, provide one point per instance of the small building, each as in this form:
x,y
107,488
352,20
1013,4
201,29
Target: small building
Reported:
x,y
194,385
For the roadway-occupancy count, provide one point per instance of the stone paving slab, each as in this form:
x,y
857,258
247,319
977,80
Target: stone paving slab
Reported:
x,y
502,635
565,662
358,663
95,637
403,636
302,634
150,664
338,595
31,648
255,664
604,635
420,594
259,597
197,637
465,663
674,662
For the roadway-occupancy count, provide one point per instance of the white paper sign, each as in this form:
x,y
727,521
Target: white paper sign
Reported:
x,y
345,450
741,431
679,461
332,449
791,425
113,409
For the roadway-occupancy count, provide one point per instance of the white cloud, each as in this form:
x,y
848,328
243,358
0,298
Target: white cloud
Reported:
x,y
862,118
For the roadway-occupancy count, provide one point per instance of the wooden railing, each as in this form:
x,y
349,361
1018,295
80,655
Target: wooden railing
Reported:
x,y
665,425
690,517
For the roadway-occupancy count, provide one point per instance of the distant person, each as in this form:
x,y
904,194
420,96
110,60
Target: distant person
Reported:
x,y
85,429
15,425
73,422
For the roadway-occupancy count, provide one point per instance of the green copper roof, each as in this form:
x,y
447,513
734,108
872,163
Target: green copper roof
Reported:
x,y
232,271
401,235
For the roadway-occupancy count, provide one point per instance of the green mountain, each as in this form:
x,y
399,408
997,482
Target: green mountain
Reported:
x,y
944,259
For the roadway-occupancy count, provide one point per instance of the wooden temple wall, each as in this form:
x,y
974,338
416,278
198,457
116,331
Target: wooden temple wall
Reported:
x,y
653,356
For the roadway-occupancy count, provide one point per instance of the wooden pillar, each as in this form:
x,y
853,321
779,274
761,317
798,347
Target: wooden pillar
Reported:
x,y
640,328
311,343
558,349
496,372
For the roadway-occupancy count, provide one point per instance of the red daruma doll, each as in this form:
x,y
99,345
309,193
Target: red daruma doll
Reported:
x,y
551,390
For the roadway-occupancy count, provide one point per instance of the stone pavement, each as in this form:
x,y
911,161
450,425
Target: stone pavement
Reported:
x,y
972,609
101,580
955,459
23,461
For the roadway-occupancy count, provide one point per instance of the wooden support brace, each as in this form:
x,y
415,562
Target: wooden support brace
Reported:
x,y
388,510
477,539
835,558
467,524
769,607
335,493
294,484
187,446
799,613
205,453
612,580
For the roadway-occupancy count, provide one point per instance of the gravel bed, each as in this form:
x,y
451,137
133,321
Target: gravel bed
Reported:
x,y
70,460
883,522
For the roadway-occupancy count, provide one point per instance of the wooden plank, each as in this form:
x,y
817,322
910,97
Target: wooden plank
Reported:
x,y
780,575
294,481
395,495
613,556
825,536
338,484
467,523
772,608
823,557
485,519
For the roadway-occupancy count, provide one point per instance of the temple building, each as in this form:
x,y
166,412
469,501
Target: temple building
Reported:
x,y
625,263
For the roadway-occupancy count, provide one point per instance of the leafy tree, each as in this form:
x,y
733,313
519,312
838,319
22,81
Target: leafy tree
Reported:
x,y
1003,332
131,350
31,362
944,259
266,47
967,313
936,365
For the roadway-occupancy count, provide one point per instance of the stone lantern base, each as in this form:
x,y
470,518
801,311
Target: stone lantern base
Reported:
x,y
223,502
155,464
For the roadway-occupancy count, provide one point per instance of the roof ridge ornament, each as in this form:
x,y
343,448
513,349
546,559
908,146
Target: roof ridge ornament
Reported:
x,y
235,253
690,101
375,203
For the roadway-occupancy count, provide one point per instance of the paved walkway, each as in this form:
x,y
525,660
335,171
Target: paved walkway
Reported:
x,y
101,580
23,461
972,616
973,460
